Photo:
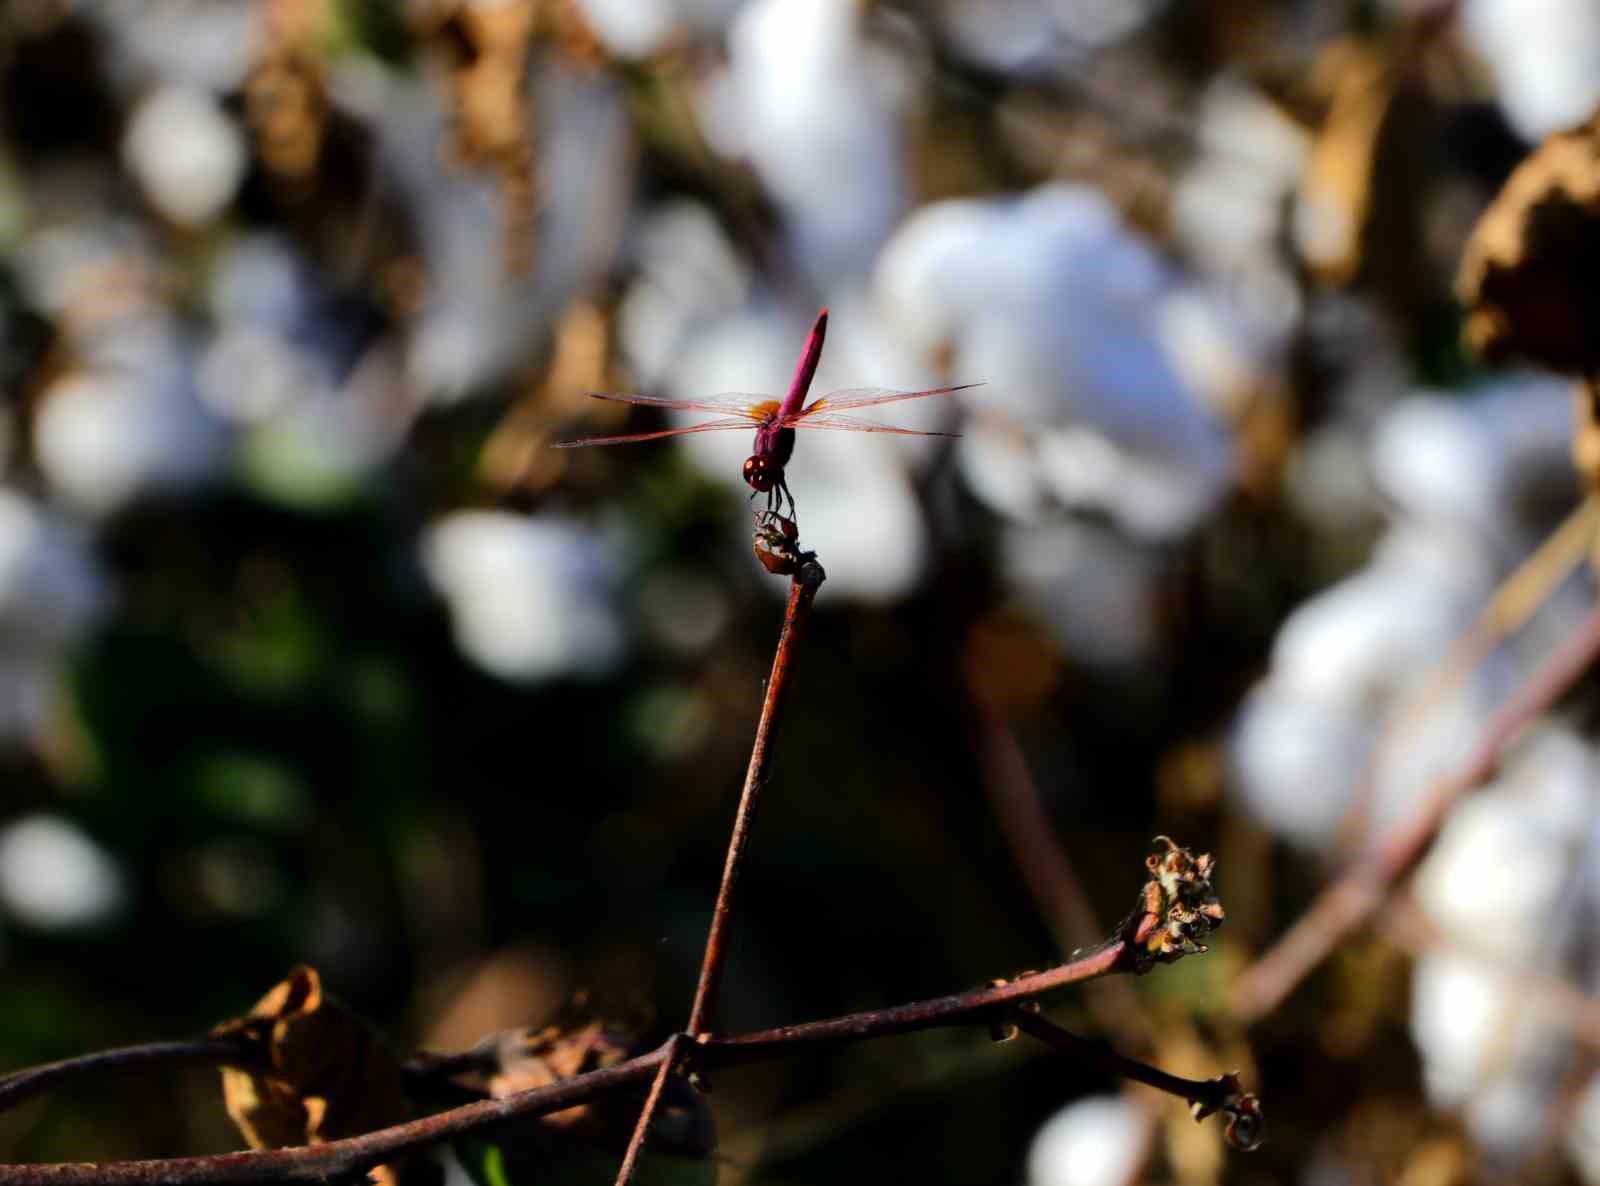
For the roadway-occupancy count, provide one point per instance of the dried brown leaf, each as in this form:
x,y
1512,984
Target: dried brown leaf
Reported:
x,y
1527,276
320,1072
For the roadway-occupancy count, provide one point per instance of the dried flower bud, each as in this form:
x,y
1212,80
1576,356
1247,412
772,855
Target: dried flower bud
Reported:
x,y
1177,907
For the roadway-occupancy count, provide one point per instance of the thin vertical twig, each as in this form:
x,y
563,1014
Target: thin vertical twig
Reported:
x,y
651,1102
802,591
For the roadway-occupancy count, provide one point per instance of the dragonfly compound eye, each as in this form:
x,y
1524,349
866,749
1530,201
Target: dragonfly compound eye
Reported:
x,y
760,473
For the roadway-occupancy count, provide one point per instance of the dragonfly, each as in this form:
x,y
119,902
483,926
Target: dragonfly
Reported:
x,y
774,420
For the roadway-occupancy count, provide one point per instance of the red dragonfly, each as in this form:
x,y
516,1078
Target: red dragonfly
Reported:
x,y
774,420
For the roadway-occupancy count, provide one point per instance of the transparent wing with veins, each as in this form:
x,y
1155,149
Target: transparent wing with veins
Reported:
x,y
825,412
627,438
738,403
746,410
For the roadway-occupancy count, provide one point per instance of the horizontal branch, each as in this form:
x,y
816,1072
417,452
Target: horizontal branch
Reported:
x,y
23,1085
354,1155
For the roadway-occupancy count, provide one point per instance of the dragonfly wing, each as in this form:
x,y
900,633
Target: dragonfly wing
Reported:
x,y
851,424
868,397
629,438
738,403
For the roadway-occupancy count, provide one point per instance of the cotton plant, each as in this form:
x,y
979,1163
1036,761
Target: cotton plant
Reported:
x,y
817,109
1100,1140
123,418
1059,307
1353,656
531,598
1544,58
52,593
1498,886
484,317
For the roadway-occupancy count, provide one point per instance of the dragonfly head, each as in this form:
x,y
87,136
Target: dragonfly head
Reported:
x,y
762,472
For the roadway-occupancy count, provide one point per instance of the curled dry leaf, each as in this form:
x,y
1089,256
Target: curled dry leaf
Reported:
x,y
320,1072
1527,276
1178,907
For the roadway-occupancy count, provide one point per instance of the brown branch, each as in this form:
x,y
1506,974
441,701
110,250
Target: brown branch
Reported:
x,y
1516,600
23,1085
802,591
641,1130
354,1155
338,1159
803,588
1351,900
1204,1096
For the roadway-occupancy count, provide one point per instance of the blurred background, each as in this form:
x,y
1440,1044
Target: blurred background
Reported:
x,y
312,649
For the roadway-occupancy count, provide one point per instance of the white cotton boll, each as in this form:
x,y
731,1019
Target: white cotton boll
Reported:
x,y
1437,462
203,43
54,877
28,687
1366,637
530,598
1459,1015
1484,1051
1583,1132
689,273
49,588
1227,208
1507,857
1219,355
1146,498
1544,55
259,281
858,508
61,266
630,28
1510,1116
1057,308
247,376
926,273
186,153
1099,1141
104,437
1294,761
1094,590
1328,480
1008,35
997,463
814,110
